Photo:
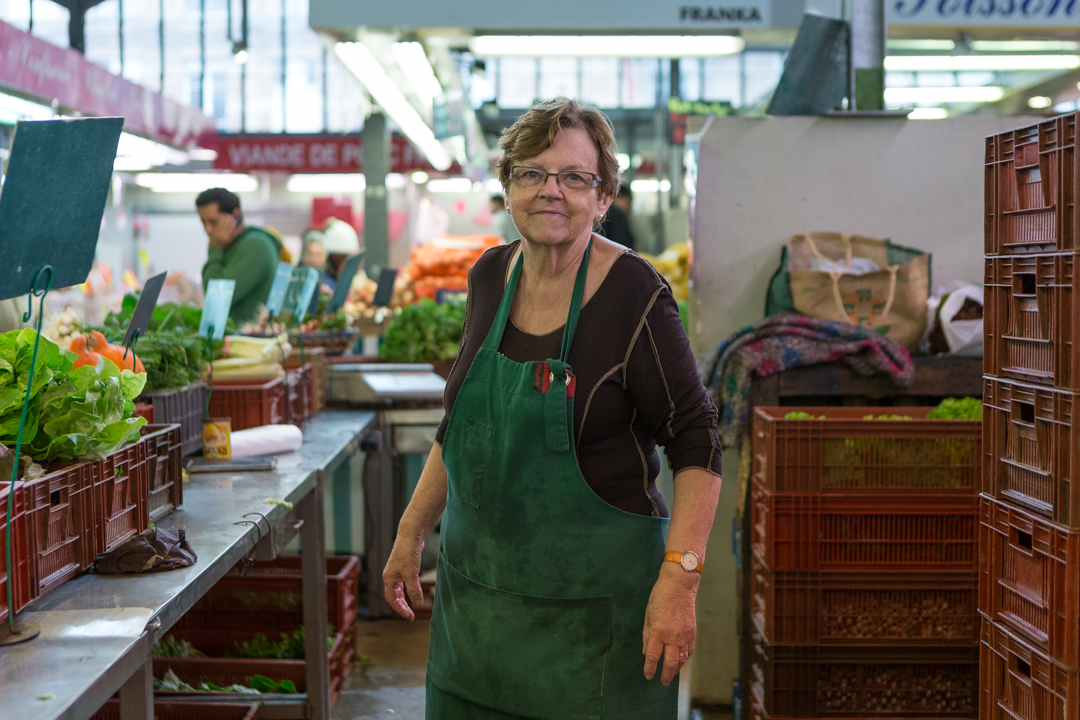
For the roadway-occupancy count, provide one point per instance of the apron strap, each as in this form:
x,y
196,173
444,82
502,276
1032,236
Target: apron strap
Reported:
x,y
575,305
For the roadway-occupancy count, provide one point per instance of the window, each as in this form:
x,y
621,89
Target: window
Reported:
x,y
690,78
639,80
600,81
722,80
517,82
763,70
558,76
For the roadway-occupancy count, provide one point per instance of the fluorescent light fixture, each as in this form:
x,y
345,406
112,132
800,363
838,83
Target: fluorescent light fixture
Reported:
x,y
953,63
650,186
329,183
494,187
922,45
196,182
1069,106
1025,45
928,114
15,108
620,46
942,95
373,77
202,154
241,57
136,154
395,181
419,177
449,185
413,61
1039,102
624,161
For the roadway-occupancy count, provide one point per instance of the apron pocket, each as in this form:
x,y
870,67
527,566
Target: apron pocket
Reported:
x,y
470,478
536,657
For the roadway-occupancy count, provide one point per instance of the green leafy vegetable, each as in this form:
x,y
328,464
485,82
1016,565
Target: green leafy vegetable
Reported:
x,y
16,352
887,417
968,408
169,681
266,685
803,416
289,647
425,332
169,646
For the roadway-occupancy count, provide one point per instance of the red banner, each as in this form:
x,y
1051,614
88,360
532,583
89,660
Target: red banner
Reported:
x,y
310,154
34,67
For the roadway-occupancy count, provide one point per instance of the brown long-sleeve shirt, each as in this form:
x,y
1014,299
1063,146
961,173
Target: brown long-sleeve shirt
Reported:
x,y
637,381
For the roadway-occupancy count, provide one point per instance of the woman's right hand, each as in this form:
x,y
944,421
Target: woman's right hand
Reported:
x,y
401,576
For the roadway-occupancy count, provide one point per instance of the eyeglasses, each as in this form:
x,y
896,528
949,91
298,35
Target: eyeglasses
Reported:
x,y
528,177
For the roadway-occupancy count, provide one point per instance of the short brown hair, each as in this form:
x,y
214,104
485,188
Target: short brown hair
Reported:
x,y
535,130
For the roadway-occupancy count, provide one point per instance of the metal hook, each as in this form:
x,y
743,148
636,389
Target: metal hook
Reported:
x,y
269,529
36,292
134,339
247,562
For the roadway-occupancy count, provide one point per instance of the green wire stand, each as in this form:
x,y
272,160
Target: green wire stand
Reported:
x,y
21,631
209,369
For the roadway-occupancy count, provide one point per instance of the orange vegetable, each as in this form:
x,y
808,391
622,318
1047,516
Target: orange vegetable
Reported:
x,y
86,356
89,349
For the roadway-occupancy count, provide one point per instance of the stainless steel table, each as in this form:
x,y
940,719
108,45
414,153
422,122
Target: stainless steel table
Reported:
x,y
97,631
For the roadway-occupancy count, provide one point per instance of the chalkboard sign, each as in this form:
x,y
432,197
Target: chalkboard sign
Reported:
x,y
344,282
144,309
301,288
277,290
216,308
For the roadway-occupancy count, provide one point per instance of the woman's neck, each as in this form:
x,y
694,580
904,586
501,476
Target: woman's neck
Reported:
x,y
544,263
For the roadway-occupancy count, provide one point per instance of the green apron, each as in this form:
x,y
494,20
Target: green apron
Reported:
x,y
542,586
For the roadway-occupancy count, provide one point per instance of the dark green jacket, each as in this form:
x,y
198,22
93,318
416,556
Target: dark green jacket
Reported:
x,y
251,261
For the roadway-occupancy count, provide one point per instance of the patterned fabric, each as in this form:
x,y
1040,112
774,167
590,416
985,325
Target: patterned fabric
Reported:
x,y
789,340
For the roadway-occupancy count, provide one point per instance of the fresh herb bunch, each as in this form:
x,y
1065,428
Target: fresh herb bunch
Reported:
x,y
169,646
289,647
799,415
425,332
968,408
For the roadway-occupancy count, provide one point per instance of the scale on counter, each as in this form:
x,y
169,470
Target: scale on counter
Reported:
x,y
383,383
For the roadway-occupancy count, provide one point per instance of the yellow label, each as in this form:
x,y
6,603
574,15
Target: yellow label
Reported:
x,y
217,440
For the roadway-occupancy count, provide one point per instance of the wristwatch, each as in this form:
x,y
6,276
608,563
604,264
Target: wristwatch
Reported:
x,y
688,560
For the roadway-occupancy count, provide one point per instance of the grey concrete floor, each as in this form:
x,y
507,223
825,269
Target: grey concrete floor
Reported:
x,y
388,682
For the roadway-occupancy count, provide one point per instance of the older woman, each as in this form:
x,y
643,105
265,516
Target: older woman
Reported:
x,y
559,567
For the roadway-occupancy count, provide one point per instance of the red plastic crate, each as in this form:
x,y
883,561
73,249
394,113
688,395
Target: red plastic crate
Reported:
x,y
248,405
316,358
300,399
23,589
121,497
799,608
164,458
1030,580
1031,192
1019,683
61,522
814,681
270,595
864,533
845,453
1032,449
186,711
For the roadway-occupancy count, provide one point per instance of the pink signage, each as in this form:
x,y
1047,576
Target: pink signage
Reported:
x,y
34,67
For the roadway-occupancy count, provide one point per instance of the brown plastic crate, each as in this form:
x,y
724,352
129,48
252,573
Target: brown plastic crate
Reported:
x,y
1032,449
1031,192
23,589
270,595
316,358
1030,580
185,406
814,681
845,453
121,497
1032,320
1019,683
164,458
864,532
186,711
60,513
806,607
299,397
249,405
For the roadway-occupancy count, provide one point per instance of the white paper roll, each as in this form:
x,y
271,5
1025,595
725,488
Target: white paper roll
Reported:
x,y
266,440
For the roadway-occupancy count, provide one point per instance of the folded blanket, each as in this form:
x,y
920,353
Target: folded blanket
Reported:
x,y
789,340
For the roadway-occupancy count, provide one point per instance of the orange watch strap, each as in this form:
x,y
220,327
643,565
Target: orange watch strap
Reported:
x,y
675,557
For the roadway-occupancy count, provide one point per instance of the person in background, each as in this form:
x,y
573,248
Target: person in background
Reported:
x,y
501,222
340,241
314,256
616,225
244,253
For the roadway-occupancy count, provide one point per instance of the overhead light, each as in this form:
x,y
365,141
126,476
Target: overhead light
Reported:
x,y
921,45
240,52
419,177
413,61
137,154
650,186
196,182
373,77
928,114
395,181
493,186
624,161
897,97
449,185
981,62
329,183
1025,45
15,108
622,46
202,154
1039,102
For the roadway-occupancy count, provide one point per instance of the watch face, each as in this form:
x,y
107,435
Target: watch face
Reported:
x,y
689,562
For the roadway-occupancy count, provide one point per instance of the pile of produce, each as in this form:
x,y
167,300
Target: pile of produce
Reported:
x,y
251,358
169,682
674,265
968,408
425,332
289,647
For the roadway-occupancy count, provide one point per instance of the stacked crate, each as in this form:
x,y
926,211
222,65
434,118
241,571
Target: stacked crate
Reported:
x,y
864,571
1029,591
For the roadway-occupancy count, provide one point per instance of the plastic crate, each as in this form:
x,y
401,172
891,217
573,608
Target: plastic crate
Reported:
x,y
316,358
164,459
1019,683
1032,320
1030,580
121,497
815,681
184,406
799,608
23,589
864,533
249,405
60,514
186,711
299,399
1032,449
271,594
844,453
1031,191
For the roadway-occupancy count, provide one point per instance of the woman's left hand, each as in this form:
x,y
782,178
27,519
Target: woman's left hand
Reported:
x,y
670,622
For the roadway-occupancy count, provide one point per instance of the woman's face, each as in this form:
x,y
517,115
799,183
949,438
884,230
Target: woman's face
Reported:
x,y
315,255
553,214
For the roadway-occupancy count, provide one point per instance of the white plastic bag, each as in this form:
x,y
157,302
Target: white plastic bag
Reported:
x,y
964,337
